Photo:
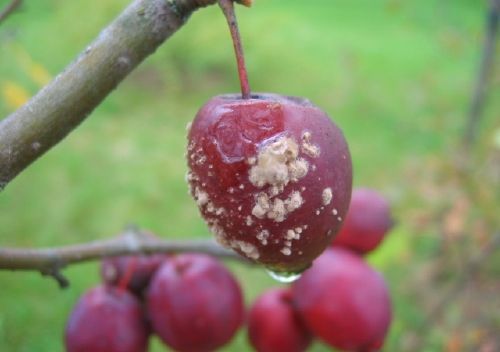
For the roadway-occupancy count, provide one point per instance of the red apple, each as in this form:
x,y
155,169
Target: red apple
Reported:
x,y
107,319
344,301
273,324
271,176
194,303
137,270
368,221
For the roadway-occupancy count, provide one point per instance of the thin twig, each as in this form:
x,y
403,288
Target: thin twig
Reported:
x,y
131,243
227,7
56,274
484,73
50,261
9,9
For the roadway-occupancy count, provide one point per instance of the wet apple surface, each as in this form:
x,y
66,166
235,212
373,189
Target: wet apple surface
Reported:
x,y
271,176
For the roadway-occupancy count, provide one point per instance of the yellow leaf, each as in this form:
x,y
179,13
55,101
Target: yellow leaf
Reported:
x,y
37,72
14,95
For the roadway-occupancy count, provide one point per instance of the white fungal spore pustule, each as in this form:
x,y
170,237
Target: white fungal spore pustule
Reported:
x,y
327,196
247,248
277,164
307,147
276,209
201,197
263,236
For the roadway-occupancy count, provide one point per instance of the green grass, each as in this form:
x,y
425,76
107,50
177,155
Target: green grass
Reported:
x,y
395,75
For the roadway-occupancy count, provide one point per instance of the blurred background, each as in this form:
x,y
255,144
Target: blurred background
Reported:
x,y
396,75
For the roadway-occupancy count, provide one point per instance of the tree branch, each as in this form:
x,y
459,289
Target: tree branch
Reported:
x,y
484,73
132,242
11,7
66,101
50,261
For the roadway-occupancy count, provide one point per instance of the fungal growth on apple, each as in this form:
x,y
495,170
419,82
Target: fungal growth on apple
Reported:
x,y
271,174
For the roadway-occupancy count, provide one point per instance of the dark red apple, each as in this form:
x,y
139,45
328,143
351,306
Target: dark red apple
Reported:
x,y
135,270
367,222
194,303
107,319
274,325
344,301
271,176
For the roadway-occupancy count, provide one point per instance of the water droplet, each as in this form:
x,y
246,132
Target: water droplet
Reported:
x,y
283,277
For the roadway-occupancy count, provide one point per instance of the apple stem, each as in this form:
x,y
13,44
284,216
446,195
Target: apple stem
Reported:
x,y
127,276
227,7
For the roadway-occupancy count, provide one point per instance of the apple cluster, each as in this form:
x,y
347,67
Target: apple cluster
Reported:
x,y
340,299
194,304
190,301
272,177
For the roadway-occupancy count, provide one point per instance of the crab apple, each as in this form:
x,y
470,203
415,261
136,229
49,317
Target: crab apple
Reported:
x,y
274,325
271,175
367,222
194,303
114,271
344,301
107,319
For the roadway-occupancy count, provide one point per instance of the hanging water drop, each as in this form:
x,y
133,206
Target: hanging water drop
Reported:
x,y
283,277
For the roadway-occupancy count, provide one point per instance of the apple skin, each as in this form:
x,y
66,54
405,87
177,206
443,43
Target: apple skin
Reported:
x,y
107,319
113,270
367,222
271,175
344,302
194,303
273,324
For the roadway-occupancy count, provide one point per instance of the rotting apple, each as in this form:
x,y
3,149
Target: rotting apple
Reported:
x,y
271,174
